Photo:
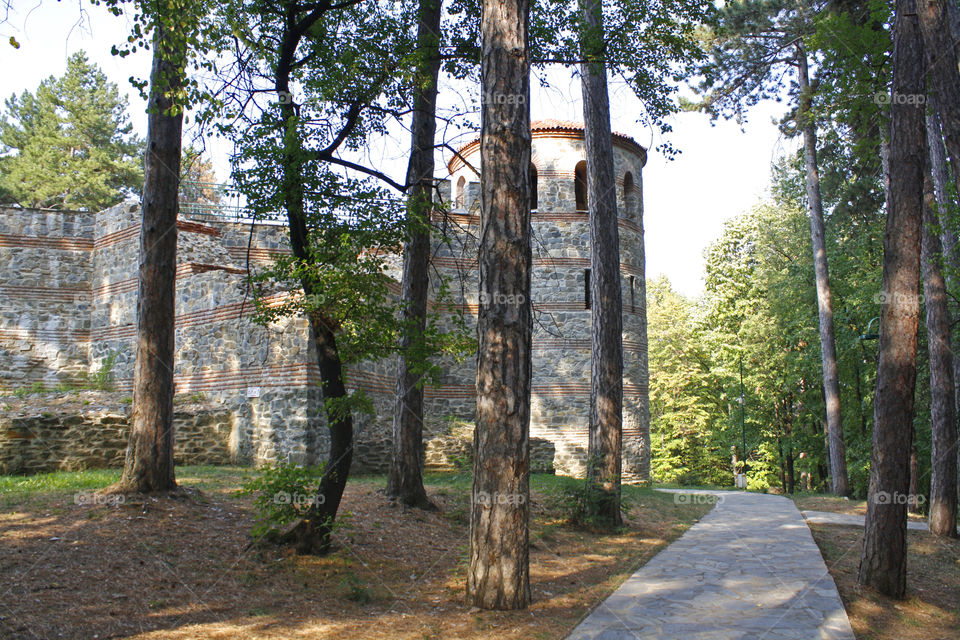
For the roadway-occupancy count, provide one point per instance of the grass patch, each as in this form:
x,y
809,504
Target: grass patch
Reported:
x,y
22,487
829,503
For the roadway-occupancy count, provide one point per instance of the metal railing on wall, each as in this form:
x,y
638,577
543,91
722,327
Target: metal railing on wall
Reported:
x,y
217,202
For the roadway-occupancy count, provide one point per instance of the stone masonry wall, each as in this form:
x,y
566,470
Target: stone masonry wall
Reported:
x,y
70,285
45,286
91,437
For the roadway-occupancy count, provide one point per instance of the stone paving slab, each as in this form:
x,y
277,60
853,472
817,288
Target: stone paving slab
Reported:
x,y
828,517
749,570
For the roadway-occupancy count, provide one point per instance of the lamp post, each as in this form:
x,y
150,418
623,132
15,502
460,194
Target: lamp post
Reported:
x,y
742,476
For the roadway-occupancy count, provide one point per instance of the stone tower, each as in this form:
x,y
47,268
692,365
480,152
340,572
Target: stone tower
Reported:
x,y
560,294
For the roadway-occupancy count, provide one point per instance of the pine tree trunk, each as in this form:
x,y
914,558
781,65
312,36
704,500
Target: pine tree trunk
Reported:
x,y
883,564
913,501
499,573
943,418
943,73
405,481
606,328
950,250
828,346
148,465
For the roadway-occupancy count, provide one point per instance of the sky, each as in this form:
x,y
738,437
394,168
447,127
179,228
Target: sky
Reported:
x,y
723,169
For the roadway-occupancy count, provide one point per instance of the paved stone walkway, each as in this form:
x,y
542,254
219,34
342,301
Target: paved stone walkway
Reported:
x,y
828,517
749,570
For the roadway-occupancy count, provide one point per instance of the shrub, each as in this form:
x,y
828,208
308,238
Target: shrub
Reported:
x,y
579,501
283,493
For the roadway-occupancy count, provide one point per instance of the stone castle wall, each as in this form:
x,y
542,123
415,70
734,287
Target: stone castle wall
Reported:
x,y
95,437
71,283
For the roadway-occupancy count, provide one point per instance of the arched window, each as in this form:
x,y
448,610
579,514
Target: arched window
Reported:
x,y
533,187
586,289
459,200
580,185
629,197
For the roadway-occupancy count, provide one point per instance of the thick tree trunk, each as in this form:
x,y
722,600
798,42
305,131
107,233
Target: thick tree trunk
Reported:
x,y
148,465
883,563
943,417
405,481
606,329
828,345
499,572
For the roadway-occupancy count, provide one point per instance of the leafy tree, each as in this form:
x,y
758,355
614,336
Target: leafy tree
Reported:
x,y
198,182
755,43
689,427
69,145
172,26
299,110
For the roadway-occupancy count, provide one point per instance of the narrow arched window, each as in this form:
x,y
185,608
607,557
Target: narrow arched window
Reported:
x,y
460,199
580,185
586,289
629,198
533,187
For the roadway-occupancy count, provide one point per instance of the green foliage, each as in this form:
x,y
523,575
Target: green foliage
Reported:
x,y
102,378
579,501
650,45
355,589
283,493
689,430
289,166
69,145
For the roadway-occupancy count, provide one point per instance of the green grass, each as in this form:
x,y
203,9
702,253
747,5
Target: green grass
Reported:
x,y
693,487
58,481
227,479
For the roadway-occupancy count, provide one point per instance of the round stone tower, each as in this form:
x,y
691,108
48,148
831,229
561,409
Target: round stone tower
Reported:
x,y
560,295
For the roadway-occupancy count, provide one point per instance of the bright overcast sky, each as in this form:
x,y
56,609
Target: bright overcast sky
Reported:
x,y
721,172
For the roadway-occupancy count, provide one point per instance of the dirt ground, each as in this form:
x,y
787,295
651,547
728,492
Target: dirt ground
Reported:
x,y
179,568
931,610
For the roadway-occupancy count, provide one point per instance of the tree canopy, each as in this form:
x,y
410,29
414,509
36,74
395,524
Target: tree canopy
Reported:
x,y
69,144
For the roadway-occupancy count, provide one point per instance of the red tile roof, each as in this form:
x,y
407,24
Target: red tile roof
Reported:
x,y
551,124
